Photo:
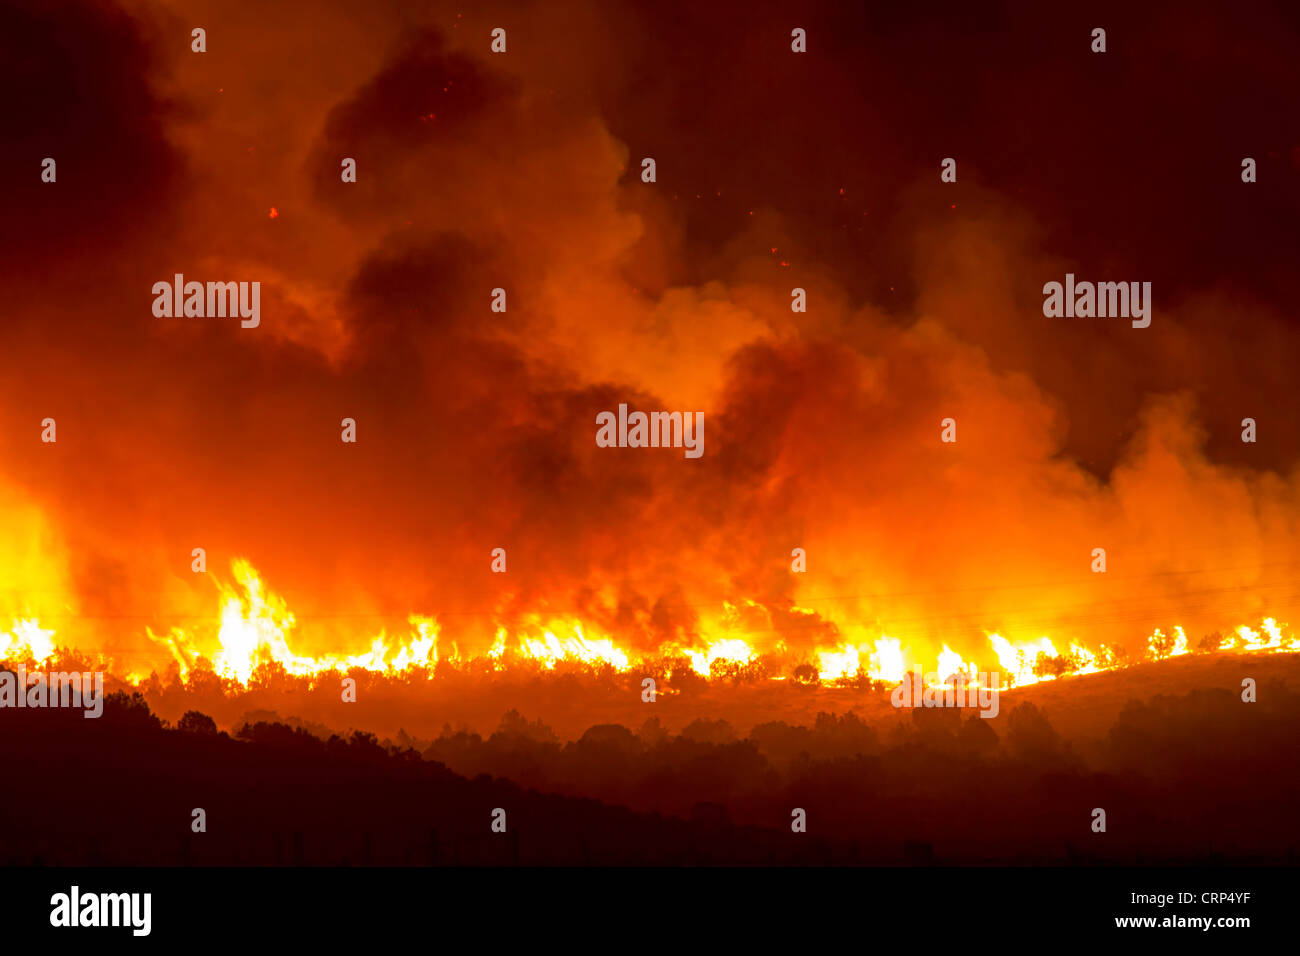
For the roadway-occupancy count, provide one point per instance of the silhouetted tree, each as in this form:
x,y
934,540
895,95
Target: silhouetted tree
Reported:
x,y
709,731
1029,735
1210,642
977,736
194,722
129,710
806,675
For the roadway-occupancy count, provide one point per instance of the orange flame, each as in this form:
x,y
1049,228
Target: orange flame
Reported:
x,y
255,628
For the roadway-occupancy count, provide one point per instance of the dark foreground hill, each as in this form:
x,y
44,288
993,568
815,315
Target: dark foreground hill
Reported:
x,y
1197,777
121,790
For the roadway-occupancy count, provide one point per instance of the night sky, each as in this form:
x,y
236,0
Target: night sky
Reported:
x,y
775,170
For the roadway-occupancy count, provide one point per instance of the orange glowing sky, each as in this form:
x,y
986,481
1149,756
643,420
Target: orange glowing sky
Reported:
x,y
476,429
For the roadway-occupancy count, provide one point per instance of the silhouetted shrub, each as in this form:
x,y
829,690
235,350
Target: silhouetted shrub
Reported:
x,y
194,722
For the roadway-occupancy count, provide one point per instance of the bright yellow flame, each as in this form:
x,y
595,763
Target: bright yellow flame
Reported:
x,y
256,627
730,649
550,649
1161,645
1087,659
423,650
1249,639
843,661
26,640
887,662
1018,660
951,667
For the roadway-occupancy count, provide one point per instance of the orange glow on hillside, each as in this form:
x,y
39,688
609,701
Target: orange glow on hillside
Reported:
x,y
255,629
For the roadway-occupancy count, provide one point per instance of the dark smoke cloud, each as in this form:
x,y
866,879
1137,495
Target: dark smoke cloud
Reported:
x,y
476,429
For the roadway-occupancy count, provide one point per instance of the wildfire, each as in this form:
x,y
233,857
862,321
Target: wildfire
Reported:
x,y
551,649
1018,661
26,640
884,663
1029,662
255,628
1270,639
952,666
1163,645
732,650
